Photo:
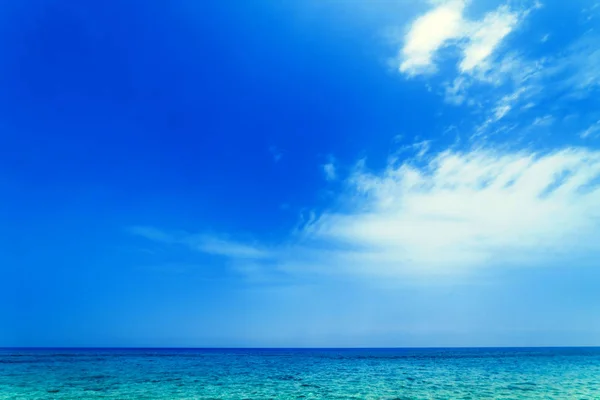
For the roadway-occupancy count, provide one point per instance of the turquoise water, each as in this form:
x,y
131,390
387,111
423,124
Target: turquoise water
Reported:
x,y
300,374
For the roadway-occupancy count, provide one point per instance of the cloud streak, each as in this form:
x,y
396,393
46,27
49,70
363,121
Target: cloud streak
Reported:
x,y
204,243
451,215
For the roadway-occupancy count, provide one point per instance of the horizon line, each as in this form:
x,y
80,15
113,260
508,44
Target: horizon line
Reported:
x,y
287,348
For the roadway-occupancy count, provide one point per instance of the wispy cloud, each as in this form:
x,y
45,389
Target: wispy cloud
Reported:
x,y
227,248
468,210
276,153
592,12
330,170
418,148
209,244
499,110
450,214
154,234
576,69
514,85
546,120
485,36
565,78
592,132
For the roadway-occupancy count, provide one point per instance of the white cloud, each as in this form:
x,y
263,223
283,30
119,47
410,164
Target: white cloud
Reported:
x,y
467,210
430,32
330,171
454,214
498,84
446,24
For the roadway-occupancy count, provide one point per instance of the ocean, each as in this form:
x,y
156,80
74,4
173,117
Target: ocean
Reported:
x,y
502,373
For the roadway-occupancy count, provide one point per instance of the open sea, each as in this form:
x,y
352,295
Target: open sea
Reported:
x,y
534,373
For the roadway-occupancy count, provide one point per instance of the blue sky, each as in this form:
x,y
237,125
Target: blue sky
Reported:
x,y
299,173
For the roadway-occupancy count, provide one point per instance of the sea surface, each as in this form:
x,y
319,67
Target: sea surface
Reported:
x,y
540,373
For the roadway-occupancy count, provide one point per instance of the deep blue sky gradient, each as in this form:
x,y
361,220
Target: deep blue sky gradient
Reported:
x,y
168,113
